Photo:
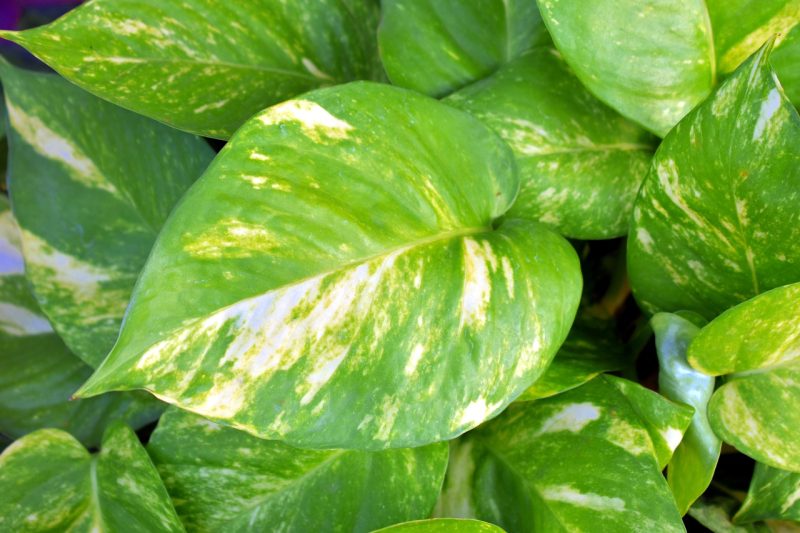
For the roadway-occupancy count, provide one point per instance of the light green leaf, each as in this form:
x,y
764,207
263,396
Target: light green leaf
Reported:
x,y
438,46
786,61
758,342
717,220
590,349
226,480
580,163
742,26
584,460
651,60
692,466
39,373
121,172
205,66
354,291
773,494
443,525
49,482
715,514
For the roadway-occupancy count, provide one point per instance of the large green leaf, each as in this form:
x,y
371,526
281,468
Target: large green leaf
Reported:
x,y
222,479
39,373
589,459
717,220
786,60
443,525
121,172
354,292
49,482
758,342
206,66
580,163
773,494
692,466
438,46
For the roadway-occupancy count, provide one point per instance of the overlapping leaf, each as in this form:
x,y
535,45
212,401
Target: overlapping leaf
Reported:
x,y
354,293
222,479
39,373
438,46
589,459
716,514
206,66
121,174
443,525
786,60
49,482
774,495
692,466
717,220
580,163
758,342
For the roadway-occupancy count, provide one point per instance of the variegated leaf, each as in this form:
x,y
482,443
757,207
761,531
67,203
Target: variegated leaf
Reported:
x,y
49,482
443,525
39,373
221,479
354,293
786,61
438,46
758,342
774,495
589,459
716,513
692,466
206,66
590,349
717,220
121,172
580,163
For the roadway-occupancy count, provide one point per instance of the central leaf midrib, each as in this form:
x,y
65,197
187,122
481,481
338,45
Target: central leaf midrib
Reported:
x,y
712,62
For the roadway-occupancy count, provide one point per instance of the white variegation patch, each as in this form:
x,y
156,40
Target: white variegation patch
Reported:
x,y
11,261
232,238
590,500
316,122
573,417
479,263
19,321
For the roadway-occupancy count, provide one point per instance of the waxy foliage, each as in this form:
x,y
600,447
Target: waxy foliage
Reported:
x,y
438,267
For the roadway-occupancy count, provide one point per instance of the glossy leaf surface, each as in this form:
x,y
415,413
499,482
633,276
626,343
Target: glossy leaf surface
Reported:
x,y
443,525
49,482
716,514
222,479
39,373
717,220
589,459
354,293
205,66
774,495
580,163
758,342
692,466
438,46
83,256
786,60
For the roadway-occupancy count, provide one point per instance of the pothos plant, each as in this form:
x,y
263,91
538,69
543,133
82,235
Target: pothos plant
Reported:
x,y
439,266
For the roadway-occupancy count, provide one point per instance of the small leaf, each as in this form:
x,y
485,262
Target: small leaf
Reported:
x,y
226,480
584,460
786,61
49,482
758,342
692,466
83,255
715,514
39,373
438,46
580,163
774,495
443,525
205,66
354,291
717,220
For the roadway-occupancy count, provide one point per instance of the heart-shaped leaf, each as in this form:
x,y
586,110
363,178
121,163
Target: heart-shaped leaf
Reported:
x,y
354,292
222,479
443,525
692,465
122,174
438,46
580,163
589,459
774,495
758,342
49,482
39,373
205,66
717,220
